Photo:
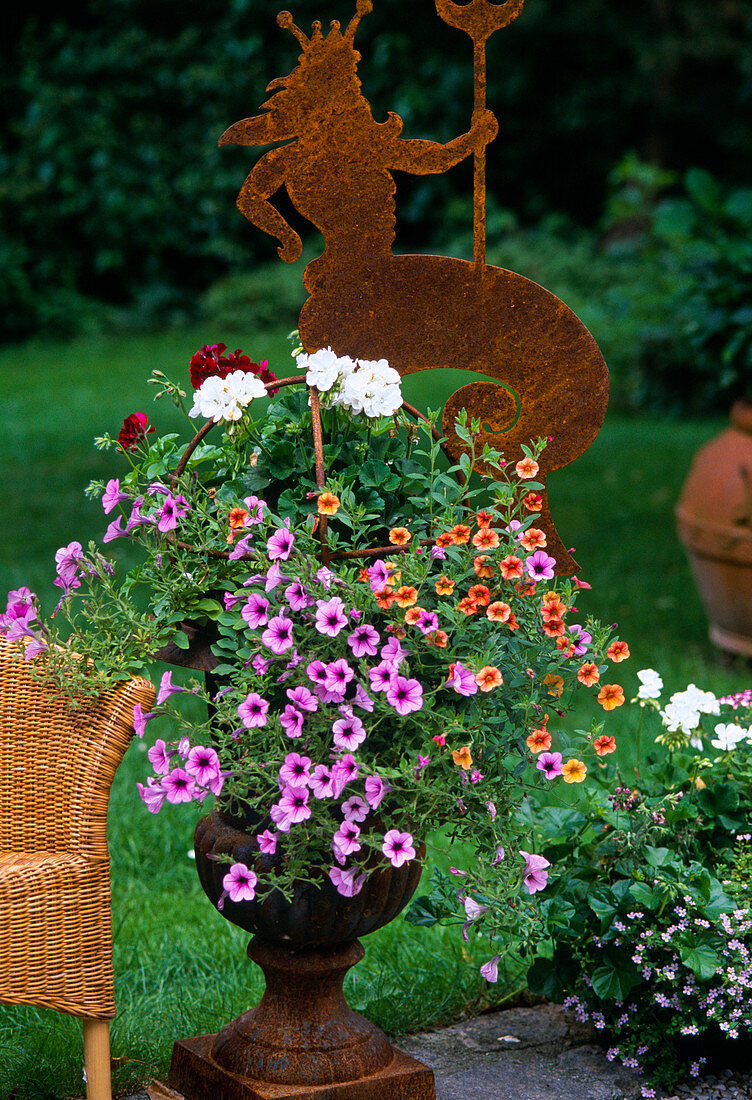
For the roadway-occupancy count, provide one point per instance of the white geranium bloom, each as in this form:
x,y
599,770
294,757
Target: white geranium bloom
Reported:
x,y
651,684
703,701
373,389
728,736
323,368
227,398
679,715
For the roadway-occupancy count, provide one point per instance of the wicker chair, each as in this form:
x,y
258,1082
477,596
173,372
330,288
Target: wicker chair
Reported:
x,y
56,769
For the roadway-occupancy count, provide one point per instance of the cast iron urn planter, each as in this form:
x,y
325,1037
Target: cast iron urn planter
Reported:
x,y
302,1039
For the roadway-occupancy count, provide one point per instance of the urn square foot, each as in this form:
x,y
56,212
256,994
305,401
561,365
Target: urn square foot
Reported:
x,y
194,1075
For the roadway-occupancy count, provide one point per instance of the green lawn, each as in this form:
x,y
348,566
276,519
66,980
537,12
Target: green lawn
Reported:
x,y
181,969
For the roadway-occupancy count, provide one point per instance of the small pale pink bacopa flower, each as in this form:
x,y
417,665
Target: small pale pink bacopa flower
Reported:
x,y
398,847
240,883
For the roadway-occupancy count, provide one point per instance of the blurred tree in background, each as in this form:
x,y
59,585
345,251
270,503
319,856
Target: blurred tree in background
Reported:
x,y
113,191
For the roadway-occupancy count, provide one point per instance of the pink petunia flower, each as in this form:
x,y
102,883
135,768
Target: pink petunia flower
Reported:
x,y
376,788
462,680
348,883
330,616
550,764
260,665
267,842
345,841
280,817
179,786
404,695
381,675
322,782
278,635
279,545
363,641
112,496
362,699
255,610
167,688
344,771
490,969
581,638
203,763
378,575
241,548
297,596
394,652
173,509
255,507
140,719
337,675
291,720
295,770
354,809
535,874
427,622
114,530
152,795
240,883
398,847
349,732
303,698
252,712
540,566
274,577
294,802
159,757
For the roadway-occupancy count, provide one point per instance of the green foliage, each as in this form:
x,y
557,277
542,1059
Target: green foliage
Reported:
x,y
114,191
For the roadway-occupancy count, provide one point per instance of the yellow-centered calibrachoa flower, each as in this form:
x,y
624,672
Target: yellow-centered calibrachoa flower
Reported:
x,y
588,674
327,504
498,611
574,771
539,740
237,520
489,678
554,684
467,605
511,568
483,518
460,534
399,536
406,595
603,745
527,468
413,614
533,502
611,696
485,539
533,539
463,757
617,651
480,594
444,586
483,567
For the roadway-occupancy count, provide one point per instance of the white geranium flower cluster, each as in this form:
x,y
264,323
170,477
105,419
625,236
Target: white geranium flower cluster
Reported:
x,y
728,736
651,684
365,386
684,708
226,398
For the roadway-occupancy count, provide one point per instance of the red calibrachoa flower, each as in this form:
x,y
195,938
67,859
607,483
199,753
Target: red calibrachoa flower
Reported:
x,y
604,745
511,568
525,588
445,539
134,430
617,651
460,534
413,614
533,502
483,518
553,627
480,594
566,646
512,622
467,605
438,638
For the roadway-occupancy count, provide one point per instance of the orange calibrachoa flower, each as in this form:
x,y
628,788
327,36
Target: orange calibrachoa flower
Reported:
x,y
574,771
460,534
237,520
588,674
611,696
539,740
617,651
467,605
552,606
485,539
463,757
363,576
498,611
554,684
527,468
483,567
511,568
566,646
525,587
483,518
489,678
328,504
533,539
512,622
399,536
438,638
444,539
406,595
385,597
444,586
480,594
533,502
554,628
413,614
604,745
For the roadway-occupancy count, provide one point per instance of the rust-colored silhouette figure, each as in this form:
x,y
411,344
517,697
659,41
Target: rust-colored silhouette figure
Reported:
x,y
544,373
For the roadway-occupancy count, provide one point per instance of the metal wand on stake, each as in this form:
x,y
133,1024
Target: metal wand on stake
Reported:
x,y
479,19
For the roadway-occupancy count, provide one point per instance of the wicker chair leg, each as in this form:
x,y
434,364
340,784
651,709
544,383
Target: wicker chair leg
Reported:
x,y
97,1059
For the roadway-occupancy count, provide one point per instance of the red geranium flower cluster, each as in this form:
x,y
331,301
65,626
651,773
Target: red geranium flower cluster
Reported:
x,y
211,361
135,428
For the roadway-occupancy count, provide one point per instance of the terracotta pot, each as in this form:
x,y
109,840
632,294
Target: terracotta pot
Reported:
x,y
714,521
302,1033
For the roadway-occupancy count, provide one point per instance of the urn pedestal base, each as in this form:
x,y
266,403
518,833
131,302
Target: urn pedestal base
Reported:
x,y
194,1075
